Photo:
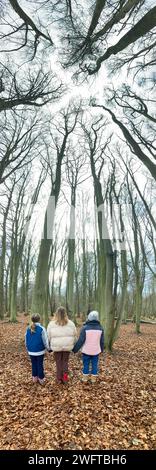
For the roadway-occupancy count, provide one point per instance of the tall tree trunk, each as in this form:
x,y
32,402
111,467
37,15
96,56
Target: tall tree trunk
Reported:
x,y
101,289
142,27
23,288
139,279
3,255
39,301
77,293
95,276
13,291
71,256
27,274
122,306
138,304
52,264
7,289
70,277
110,302
16,255
2,265
106,263
84,276
41,279
28,268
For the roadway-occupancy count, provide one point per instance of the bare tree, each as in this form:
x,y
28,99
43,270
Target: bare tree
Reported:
x,y
20,216
3,248
75,163
19,142
26,271
99,25
59,137
23,31
27,87
96,153
134,146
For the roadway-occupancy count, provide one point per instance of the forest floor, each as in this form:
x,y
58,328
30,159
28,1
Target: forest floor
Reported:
x,y
116,413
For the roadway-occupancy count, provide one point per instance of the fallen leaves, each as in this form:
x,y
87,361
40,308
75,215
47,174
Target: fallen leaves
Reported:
x,y
116,413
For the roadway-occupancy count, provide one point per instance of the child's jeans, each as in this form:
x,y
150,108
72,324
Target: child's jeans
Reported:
x,y
87,360
37,366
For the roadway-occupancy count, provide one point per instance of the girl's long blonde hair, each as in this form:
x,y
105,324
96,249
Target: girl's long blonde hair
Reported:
x,y
61,317
35,318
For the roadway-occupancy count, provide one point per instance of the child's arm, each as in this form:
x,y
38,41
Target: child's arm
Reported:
x,y
25,339
75,335
48,329
45,338
49,337
102,341
49,332
80,341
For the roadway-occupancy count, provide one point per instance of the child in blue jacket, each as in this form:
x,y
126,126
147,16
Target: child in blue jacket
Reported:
x,y
91,340
36,341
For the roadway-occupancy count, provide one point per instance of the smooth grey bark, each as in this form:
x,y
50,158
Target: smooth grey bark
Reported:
x,y
71,252
106,263
139,276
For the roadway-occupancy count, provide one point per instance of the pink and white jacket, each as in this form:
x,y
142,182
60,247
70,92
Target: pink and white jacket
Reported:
x,y
91,339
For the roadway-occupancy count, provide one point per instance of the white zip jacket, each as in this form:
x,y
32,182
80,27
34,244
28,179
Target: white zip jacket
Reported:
x,y
61,338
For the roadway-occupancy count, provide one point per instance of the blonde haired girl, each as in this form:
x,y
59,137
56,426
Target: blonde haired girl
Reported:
x,y
62,336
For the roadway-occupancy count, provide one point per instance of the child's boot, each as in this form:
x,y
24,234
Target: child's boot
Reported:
x,y
93,379
34,379
85,377
65,378
41,381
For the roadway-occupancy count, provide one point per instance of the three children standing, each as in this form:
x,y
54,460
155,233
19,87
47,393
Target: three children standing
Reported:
x,y
61,338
